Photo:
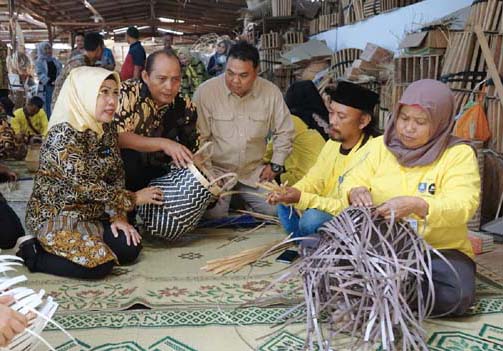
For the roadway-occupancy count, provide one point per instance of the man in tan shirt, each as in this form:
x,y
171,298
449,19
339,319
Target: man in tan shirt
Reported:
x,y
237,112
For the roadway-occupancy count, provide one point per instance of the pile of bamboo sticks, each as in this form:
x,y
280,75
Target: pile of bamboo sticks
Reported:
x,y
329,6
281,8
353,11
464,64
388,5
411,68
488,14
270,45
323,23
495,118
235,263
366,277
343,59
371,8
293,38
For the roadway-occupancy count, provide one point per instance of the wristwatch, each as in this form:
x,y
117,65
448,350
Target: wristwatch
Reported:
x,y
277,168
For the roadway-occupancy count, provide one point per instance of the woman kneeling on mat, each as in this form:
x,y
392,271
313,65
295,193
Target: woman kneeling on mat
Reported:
x,y
419,172
80,177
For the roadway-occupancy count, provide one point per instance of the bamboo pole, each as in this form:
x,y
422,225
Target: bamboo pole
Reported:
x,y
491,66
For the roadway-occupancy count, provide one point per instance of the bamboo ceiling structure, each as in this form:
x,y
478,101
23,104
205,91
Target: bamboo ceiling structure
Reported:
x,y
60,17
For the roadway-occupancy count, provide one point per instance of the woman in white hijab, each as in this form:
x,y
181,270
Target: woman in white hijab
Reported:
x,y
78,207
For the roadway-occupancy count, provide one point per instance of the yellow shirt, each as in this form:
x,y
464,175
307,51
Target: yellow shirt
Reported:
x,y
321,186
20,125
450,186
307,145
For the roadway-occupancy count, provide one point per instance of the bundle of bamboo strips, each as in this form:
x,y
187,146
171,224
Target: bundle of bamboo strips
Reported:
x,y
408,69
234,263
371,8
343,59
494,117
281,8
464,65
366,277
488,14
352,10
388,5
329,7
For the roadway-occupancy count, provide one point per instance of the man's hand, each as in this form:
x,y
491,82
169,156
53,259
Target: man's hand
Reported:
x,y
360,197
403,206
12,323
180,154
267,174
289,196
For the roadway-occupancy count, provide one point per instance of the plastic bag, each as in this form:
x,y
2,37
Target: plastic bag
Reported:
x,y
472,124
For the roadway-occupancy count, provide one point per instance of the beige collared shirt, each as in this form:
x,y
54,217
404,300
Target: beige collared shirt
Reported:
x,y
239,126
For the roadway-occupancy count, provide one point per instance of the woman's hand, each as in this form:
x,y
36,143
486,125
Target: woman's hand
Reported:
x,y
403,206
132,235
12,176
360,197
289,196
150,195
12,322
180,154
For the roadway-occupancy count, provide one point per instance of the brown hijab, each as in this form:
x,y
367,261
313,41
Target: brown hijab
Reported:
x,y
437,100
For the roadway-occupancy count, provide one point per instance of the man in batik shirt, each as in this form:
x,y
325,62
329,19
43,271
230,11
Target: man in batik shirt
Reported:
x,y
156,124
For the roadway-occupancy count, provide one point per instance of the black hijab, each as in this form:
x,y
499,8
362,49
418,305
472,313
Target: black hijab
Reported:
x,y
303,100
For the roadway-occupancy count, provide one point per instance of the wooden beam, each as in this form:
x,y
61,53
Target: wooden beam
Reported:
x,y
491,66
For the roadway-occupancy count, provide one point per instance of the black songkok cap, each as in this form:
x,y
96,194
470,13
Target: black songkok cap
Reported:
x,y
354,95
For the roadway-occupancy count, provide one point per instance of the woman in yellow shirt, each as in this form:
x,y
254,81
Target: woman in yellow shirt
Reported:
x,y
310,121
30,120
421,173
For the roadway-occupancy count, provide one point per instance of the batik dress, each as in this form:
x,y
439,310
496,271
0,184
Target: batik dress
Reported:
x,y
80,179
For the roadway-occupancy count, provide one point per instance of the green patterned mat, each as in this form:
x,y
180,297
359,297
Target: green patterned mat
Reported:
x,y
245,328
197,311
170,276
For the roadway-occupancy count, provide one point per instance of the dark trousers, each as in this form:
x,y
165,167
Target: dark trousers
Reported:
x,y
10,226
138,173
453,293
45,262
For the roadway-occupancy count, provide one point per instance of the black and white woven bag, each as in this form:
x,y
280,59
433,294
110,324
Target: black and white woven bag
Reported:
x,y
186,196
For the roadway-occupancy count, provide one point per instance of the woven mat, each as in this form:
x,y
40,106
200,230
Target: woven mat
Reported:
x,y
196,311
225,329
170,276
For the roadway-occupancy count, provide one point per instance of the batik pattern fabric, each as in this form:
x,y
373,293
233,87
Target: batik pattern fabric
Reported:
x,y
10,147
139,114
80,179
